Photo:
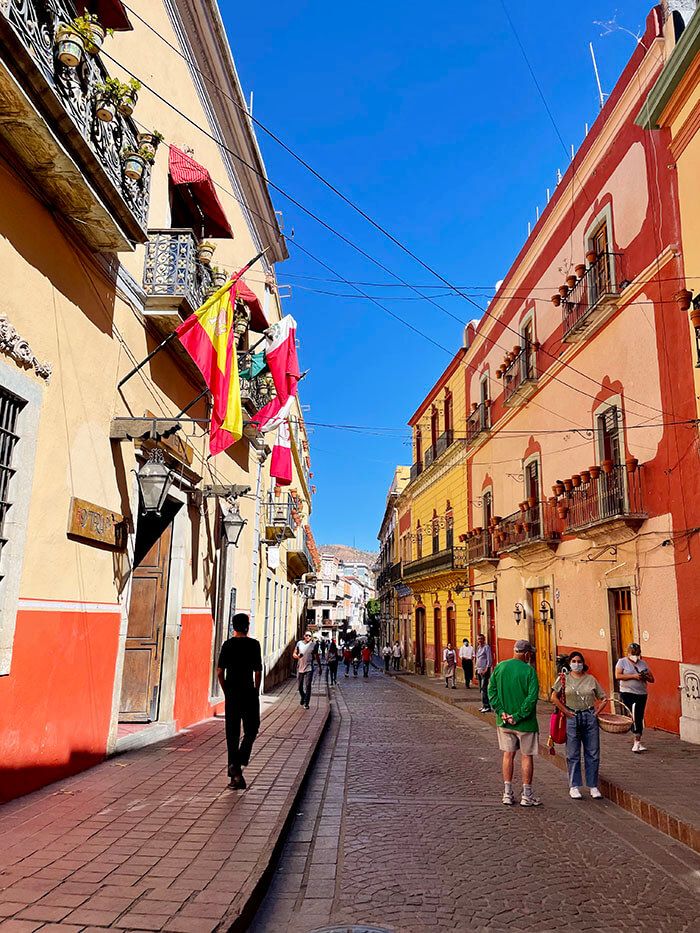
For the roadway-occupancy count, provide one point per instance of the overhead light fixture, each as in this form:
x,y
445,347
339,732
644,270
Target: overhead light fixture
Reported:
x,y
154,480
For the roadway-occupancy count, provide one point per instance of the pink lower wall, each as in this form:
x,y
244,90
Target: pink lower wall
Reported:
x,y
55,704
193,685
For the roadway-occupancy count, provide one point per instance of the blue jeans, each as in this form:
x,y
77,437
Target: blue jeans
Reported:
x,y
584,730
305,686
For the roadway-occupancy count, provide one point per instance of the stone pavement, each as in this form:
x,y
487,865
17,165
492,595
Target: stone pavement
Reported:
x,y
660,786
401,827
154,839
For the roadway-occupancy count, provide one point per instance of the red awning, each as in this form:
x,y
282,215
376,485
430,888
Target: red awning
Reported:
x,y
197,197
111,13
258,321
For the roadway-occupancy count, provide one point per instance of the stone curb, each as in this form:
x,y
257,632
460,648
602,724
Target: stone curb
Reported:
x,y
677,829
243,908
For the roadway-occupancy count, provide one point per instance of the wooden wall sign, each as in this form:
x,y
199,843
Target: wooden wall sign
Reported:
x,y
94,523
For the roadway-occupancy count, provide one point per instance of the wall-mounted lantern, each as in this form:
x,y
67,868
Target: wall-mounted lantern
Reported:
x,y
546,611
154,480
518,613
233,524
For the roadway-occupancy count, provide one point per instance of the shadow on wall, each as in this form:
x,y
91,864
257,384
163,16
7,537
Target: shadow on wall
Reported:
x,y
281,670
15,782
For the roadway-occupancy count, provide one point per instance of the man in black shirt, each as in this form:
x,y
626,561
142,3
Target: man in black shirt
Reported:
x,y
239,671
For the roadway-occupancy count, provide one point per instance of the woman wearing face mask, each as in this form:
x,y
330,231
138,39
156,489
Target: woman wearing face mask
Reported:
x,y
634,675
581,699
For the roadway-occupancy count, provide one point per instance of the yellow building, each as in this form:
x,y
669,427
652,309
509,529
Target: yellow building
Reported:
x,y
431,543
389,562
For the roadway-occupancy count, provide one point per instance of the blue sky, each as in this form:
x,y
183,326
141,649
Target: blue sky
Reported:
x,y
428,118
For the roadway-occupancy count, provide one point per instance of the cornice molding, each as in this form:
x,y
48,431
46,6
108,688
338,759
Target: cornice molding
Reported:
x,y
453,457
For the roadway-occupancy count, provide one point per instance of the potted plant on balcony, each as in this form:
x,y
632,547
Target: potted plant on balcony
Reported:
x,y
585,476
519,526
523,505
562,509
631,463
580,270
531,502
571,280
695,316
69,46
576,480
568,485
591,256
219,277
595,472
92,32
558,488
563,290
150,140
107,97
552,501
128,95
684,298
556,300
607,466
205,251
135,162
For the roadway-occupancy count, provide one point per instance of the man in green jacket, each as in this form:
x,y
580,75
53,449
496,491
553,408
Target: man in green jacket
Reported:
x,y
513,692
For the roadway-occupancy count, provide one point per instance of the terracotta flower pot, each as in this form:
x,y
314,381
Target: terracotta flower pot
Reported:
x,y
531,502
552,501
516,350
475,405
558,489
631,463
571,280
576,480
580,270
499,372
562,510
556,300
595,472
518,527
563,290
585,476
568,485
684,297
591,256
526,527
478,531
487,403
523,505
695,317
607,466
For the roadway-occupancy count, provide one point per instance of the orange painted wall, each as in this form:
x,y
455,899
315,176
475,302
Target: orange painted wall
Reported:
x,y
55,704
193,686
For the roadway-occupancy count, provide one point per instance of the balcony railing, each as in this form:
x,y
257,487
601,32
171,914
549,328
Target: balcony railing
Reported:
x,y
77,157
477,422
443,442
521,375
299,553
480,548
429,456
256,391
605,498
278,517
416,470
597,287
454,558
173,277
538,523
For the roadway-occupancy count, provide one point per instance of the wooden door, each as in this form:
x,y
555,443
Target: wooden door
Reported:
x,y
452,626
146,626
601,280
623,623
545,661
420,640
491,629
437,640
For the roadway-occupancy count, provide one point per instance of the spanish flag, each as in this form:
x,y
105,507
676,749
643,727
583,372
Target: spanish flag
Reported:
x,y
208,337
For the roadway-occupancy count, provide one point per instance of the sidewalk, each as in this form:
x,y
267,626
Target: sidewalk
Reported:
x,y
154,839
659,786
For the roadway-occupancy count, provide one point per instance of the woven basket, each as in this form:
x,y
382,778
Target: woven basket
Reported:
x,y
616,723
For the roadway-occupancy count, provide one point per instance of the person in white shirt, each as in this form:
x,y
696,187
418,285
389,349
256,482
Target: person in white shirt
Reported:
x,y
466,655
386,655
305,653
449,656
396,652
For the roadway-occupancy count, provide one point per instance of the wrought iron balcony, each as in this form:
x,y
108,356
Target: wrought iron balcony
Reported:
x,y
416,470
173,276
480,548
454,558
429,456
443,442
610,497
538,524
255,391
299,559
279,522
395,572
520,377
478,422
47,117
597,289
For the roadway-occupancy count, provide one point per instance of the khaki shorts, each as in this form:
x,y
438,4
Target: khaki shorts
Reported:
x,y
510,740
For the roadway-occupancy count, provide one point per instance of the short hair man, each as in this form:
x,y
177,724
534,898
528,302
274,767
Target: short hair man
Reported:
x,y
513,692
466,654
304,653
239,671
484,665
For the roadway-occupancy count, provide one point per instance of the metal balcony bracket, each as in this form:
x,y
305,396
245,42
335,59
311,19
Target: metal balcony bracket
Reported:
x,y
225,491
153,429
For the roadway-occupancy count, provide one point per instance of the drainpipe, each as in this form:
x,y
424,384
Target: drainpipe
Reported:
x,y
256,546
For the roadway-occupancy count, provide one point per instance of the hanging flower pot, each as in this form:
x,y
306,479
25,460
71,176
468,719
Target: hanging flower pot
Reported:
x,y
580,270
526,527
591,256
134,165
562,510
487,403
631,463
568,485
563,290
695,317
519,527
576,480
595,472
69,46
571,280
478,531
475,405
558,488
105,109
585,476
556,300
684,298
205,251
607,466
531,502
127,103
499,372
96,40
150,141
220,278
516,350
552,501
523,505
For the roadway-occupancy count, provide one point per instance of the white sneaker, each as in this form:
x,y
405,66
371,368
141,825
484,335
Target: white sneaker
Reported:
x,y
638,747
529,800
595,793
575,793
508,799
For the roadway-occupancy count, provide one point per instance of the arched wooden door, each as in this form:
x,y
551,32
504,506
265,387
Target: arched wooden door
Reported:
x,y
452,626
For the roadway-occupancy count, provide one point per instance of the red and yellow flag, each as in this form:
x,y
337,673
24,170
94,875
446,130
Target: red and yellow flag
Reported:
x,y
208,337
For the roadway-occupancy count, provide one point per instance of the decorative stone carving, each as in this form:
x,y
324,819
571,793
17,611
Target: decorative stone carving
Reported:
x,y
690,703
19,349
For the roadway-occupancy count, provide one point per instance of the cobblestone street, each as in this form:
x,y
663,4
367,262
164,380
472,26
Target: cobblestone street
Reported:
x,y
401,827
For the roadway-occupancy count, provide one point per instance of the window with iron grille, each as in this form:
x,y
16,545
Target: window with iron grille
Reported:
x,y
10,407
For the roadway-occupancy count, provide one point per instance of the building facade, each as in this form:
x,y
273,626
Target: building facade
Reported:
x,y
389,562
111,616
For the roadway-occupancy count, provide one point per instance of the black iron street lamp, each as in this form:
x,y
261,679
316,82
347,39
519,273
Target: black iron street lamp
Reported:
x,y
546,611
519,613
154,480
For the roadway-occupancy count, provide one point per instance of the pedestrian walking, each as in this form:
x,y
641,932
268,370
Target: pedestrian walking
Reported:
x,y
484,666
513,691
332,664
466,655
366,658
323,645
449,660
356,652
347,660
304,654
386,655
580,698
239,671
634,674
396,656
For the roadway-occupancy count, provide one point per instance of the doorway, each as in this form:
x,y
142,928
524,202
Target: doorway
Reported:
x,y
622,629
420,640
143,653
545,661
491,629
437,639
452,626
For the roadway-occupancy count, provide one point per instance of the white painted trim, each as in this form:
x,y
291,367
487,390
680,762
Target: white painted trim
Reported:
x,y
196,611
28,604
